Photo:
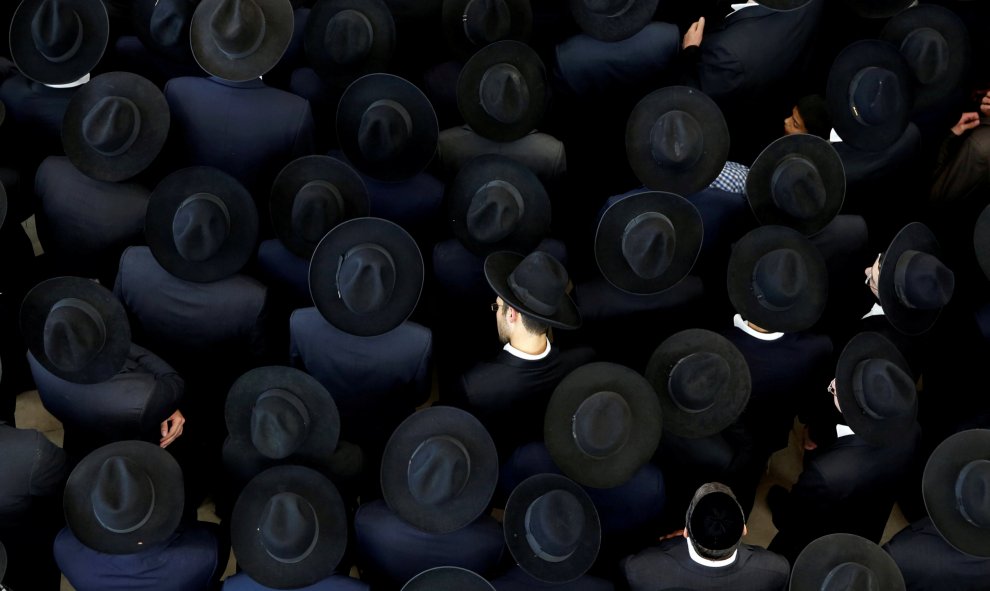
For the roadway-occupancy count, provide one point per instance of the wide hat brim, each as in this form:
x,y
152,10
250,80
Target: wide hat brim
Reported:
x,y
166,478
420,146
331,515
452,17
473,499
514,528
639,13
3,561
739,279
34,312
852,59
151,136
938,486
819,557
759,189
981,240
531,228
448,578
279,22
165,200
715,132
379,54
862,347
877,8
180,52
409,275
645,427
96,33
910,321
498,267
294,176
687,223
530,66
3,204
730,401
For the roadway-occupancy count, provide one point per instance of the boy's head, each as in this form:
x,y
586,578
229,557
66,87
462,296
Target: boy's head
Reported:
x,y
809,115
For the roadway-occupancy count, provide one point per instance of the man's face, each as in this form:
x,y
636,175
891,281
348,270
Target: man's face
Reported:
x,y
500,321
794,123
873,276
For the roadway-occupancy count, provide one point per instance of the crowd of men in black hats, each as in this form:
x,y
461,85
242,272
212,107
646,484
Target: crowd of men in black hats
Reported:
x,y
276,234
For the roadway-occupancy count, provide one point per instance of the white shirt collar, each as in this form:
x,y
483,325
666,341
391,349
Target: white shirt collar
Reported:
x,y
842,430
876,310
740,6
528,357
706,562
739,323
78,82
833,137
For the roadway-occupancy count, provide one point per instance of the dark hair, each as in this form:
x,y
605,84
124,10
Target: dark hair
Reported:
x,y
715,521
530,324
815,115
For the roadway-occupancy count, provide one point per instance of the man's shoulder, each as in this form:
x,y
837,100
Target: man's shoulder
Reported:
x,y
757,557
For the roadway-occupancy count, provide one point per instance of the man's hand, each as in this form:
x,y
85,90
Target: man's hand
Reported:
x,y
806,442
694,34
172,428
970,120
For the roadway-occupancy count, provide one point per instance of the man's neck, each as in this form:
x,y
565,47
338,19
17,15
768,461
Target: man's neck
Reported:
x,y
530,344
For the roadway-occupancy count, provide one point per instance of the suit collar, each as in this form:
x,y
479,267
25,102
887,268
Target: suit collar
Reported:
x,y
750,12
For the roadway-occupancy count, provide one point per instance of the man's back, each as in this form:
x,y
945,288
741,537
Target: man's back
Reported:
x,y
669,566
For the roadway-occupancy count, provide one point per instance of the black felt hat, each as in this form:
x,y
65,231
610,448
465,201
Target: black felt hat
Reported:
x,y
612,20
439,469
839,562
201,224
981,240
914,284
448,578
715,521
163,27
602,424
869,94
366,275
124,497
289,527
76,329
702,380
502,91
310,196
387,127
677,140
797,181
115,126
346,39
647,242
496,203
535,285
551,528
955,485
777,279
239,40
878,8
470,25
58,41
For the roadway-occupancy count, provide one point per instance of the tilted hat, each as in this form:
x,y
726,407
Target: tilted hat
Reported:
x,y
702,381
366,275
346,39
439,469
201,224
115,126
647,242
76,329
496,203
777,279
839,562
602,424
502,91
163,27
535,285
239,40
448,578
914,284
551,528
124,497
956,489
612,20
715,521
797,181
677,140
58,41
310,196
878,8
470,25
981,240
289,527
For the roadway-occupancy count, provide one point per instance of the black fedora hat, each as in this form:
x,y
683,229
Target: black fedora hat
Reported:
x,y
602,423
869,94
387,127
439,469
647,242
76,329
281,413
472,24
448,578
535,285
163,27
3,561
875,389
124,497
981,240
365,276
239,40
702,380
289,527
914,284
551,528
612,20
310,196
838,562
677,140
496,203
58,41
777,279
346,39
502,90
115,126
955,485
797,181
201,224
878,8
935,43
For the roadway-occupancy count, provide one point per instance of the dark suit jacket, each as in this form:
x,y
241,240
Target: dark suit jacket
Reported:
x,y
242,582
863,166
929,563
540,152
284,272
518,580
